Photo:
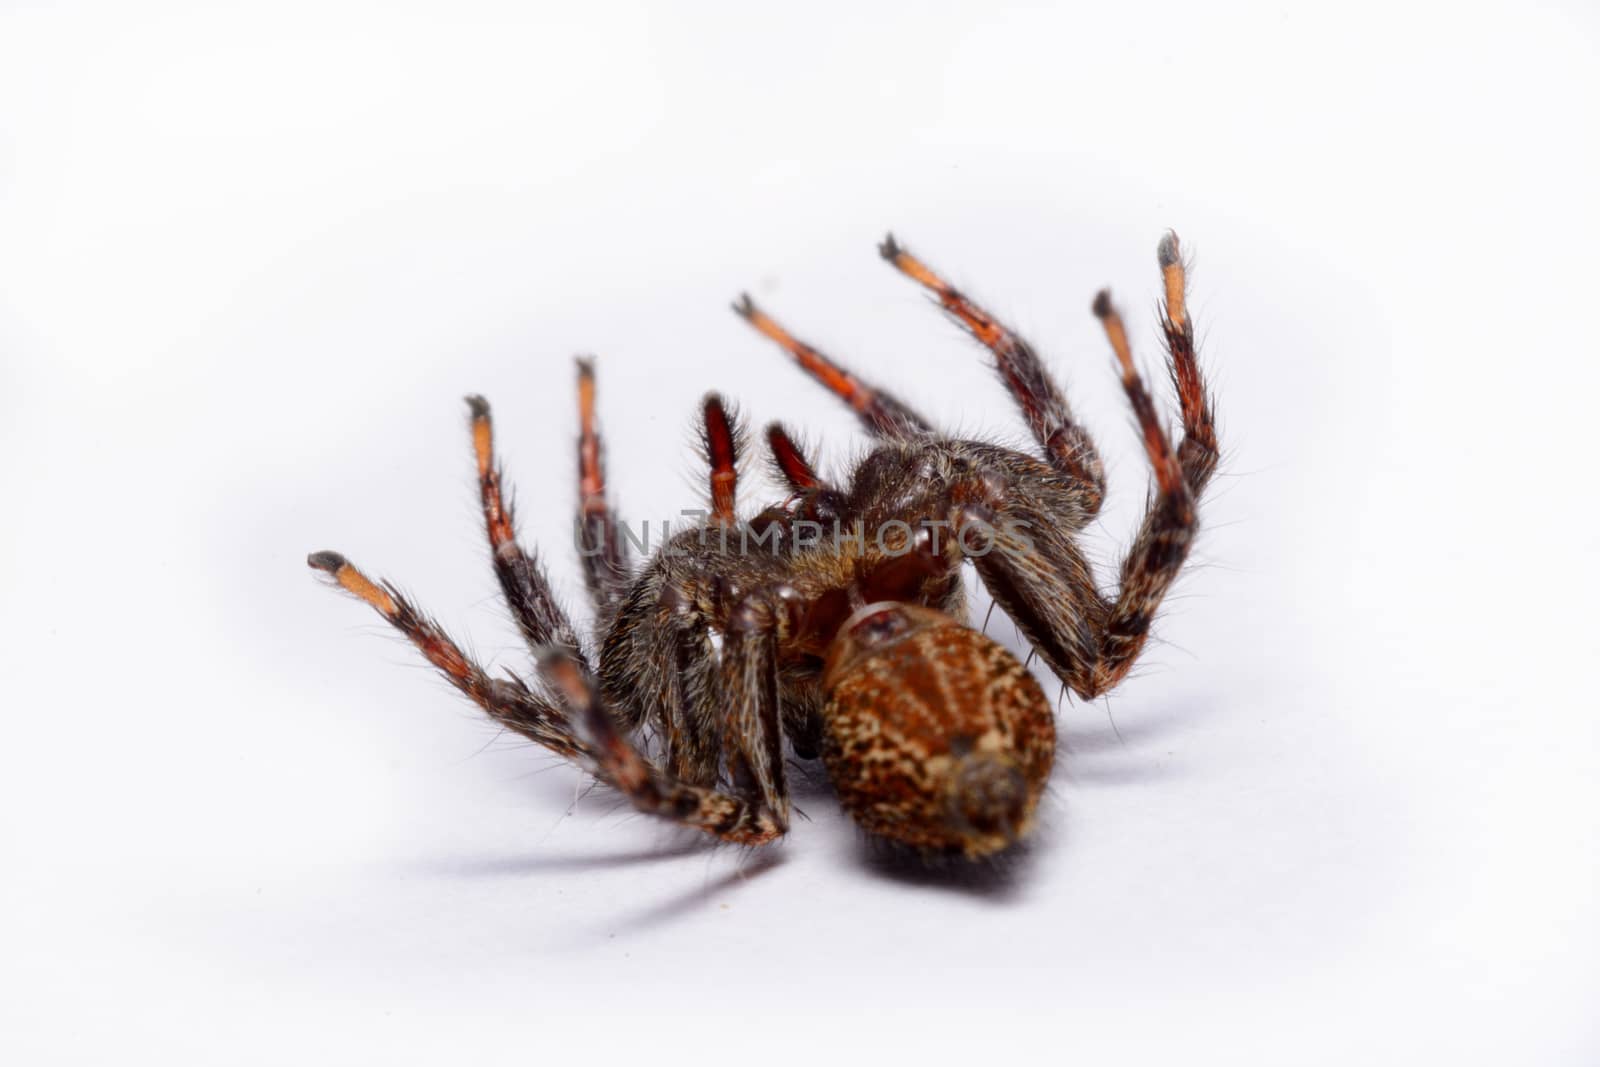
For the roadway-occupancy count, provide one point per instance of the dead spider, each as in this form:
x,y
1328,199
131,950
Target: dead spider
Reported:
x,y
836,619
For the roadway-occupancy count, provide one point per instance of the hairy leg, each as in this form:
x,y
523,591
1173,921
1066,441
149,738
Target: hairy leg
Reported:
x,y
1044,582
1197,454
584,731
507,701
811,497
723,815
1168,529
790,461
604,554
1066,445
522,579
675,685
722,442
752,731
881,413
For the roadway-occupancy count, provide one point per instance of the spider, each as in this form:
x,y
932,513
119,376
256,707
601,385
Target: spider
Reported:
x,y
835,620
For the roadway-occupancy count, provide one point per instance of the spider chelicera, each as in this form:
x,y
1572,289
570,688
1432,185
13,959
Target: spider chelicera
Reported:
x,y
836,620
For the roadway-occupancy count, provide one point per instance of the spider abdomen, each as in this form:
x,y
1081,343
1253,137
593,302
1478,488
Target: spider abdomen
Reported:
x,y
934,735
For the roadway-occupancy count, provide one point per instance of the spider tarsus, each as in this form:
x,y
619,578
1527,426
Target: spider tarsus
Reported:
x,y
326,561
889,248
477,405
722,429
1117,334
1167,254
1174,278
744,307
797,471
381,597
722,439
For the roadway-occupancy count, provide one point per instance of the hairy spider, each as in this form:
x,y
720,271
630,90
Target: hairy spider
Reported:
x,y
836,619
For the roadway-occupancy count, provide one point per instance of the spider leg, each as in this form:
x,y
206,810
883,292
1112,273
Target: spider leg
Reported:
x,y
1041,579
507,701
659,666
689,700
752,733
1066,445
522,579
793,467
881,413
603,551
730,818
722,440
813,498
1197,455
1168,529
1038,576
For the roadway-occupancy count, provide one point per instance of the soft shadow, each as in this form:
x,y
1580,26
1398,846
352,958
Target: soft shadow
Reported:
x,y
517,866
994,878
1135,729
1115,753
1115,736
695,900
808,781
1087,774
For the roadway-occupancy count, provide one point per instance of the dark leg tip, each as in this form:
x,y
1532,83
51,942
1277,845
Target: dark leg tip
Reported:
x,y
478,405
1167,250
744,307
325,561
889,248
1102,304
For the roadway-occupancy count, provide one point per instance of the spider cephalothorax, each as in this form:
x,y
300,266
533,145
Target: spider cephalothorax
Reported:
x,y
836,620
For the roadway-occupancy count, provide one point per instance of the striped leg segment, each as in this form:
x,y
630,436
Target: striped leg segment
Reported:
x,y
507,701
604,554
881,413
1197,454
1066,444
1091,641
522,578
1168,529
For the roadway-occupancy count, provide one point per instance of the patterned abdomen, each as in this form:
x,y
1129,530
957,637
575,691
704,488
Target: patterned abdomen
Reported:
x,y
935,736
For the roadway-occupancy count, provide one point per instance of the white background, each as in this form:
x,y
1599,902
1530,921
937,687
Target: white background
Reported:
x,y
251,257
